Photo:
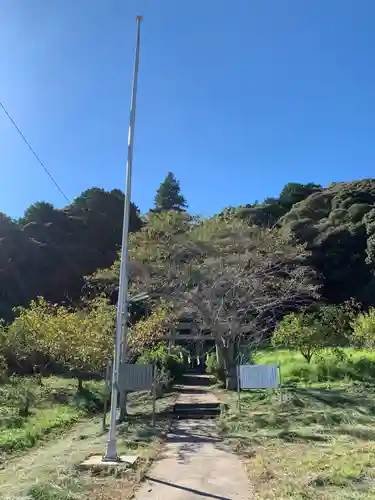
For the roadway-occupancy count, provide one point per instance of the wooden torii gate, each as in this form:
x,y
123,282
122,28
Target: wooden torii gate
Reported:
x,y
190,333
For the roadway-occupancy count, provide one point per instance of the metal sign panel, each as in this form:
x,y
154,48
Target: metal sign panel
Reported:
x,y
258,376
135,377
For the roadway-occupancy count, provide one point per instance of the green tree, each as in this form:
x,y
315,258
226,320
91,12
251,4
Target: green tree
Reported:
x,y
232,278
293,192
41,212
301,332
168,196
337,322
336,224
149,331
48,251
81,341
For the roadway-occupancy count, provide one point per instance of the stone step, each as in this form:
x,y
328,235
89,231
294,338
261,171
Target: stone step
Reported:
x,y
196,410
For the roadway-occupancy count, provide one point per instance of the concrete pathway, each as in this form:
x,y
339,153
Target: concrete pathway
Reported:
x,y
196,464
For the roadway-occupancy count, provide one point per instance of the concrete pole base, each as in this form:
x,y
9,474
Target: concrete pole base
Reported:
x,y
100,462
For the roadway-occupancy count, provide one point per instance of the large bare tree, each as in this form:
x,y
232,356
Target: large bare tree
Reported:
x,y
243,279
235,279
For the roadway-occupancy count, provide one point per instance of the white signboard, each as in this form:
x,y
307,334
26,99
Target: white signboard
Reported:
x,y
135,377
258,376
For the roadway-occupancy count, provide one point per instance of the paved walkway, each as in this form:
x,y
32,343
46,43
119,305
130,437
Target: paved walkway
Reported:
x,y
196,464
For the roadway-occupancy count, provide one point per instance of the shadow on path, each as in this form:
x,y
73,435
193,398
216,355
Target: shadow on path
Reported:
x,y
195,462
189,490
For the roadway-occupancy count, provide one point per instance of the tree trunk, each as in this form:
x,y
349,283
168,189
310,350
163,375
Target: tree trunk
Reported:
x,y
230,367
80,385
225,352
37,372
219,357
219,353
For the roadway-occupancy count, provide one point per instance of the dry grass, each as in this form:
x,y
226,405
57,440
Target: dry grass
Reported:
x,y
319,444
49,472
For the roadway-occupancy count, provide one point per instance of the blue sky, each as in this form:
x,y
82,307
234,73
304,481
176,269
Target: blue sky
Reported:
x,y
237,98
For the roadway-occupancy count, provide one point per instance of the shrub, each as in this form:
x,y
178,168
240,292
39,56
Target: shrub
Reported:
x,y
213,368
364,329
51,492
170,363
163,381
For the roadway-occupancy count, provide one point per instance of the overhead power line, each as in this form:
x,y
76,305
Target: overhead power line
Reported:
x,y
33,152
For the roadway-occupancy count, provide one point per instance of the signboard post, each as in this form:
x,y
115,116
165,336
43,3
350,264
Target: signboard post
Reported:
x,y
258,377
153,395
135,378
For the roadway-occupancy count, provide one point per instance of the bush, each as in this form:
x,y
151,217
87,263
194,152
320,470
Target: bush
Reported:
x,y
364,329
50,492
213,368
170,363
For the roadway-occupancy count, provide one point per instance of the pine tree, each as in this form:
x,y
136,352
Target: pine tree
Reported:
x,y
168,196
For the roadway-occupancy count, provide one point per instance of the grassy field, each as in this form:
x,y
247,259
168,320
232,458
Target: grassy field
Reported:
x,y
347,364
319,443
40,451
30,412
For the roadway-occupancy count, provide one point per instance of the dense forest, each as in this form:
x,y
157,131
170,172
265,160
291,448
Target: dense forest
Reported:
x,y
335,224
48,251
237,273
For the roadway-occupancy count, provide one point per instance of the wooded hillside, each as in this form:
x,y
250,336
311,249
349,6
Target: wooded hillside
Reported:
x,y
237,273
49,251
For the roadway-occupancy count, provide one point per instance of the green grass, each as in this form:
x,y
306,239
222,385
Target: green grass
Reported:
x,y
54,406
35,428
49,472
319,442
326,366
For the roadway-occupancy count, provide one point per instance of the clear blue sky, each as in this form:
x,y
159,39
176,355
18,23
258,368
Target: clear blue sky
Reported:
x,y
237,98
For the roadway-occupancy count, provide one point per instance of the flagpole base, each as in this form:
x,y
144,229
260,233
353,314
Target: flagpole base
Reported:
x,y
98,462
111,452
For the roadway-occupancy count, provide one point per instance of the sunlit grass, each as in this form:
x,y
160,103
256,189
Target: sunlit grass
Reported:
x,y
326,365
49,472
53,406
319,441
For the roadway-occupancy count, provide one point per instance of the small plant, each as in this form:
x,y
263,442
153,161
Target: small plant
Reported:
x,y
21,396
170,363
162,381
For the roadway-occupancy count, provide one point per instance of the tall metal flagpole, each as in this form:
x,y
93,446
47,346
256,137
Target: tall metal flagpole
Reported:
x,y
122,302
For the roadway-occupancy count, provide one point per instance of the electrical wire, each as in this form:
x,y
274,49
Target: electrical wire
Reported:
x,y
33,152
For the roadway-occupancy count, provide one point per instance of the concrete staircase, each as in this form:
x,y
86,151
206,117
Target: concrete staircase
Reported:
x,y
196,400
